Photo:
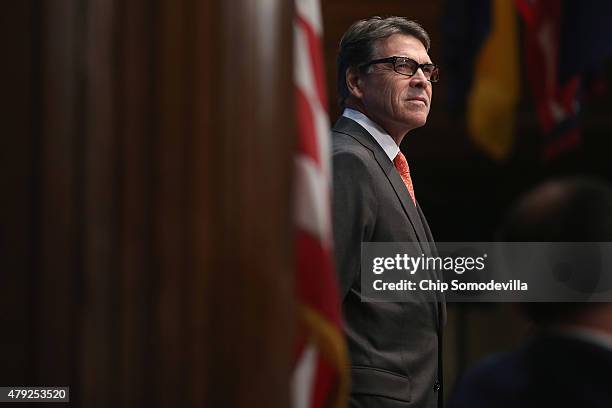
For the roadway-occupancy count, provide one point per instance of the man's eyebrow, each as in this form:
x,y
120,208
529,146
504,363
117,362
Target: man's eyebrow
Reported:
x,y
417,61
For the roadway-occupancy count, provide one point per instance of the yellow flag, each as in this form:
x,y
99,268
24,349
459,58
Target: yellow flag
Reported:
x,y
495,88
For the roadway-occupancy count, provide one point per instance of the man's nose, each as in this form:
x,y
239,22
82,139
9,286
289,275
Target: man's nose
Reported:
x,y
418,80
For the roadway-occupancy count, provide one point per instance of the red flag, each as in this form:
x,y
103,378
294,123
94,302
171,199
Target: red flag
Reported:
x,y
320,377
557,102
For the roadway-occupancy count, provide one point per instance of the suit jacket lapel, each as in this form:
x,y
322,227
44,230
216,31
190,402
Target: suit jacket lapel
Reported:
x,y
353,129
409,208
441,305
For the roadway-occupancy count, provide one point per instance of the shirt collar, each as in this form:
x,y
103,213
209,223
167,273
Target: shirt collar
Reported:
x,y
378,133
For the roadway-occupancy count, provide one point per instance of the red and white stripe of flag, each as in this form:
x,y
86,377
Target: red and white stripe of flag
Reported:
x,y
320,374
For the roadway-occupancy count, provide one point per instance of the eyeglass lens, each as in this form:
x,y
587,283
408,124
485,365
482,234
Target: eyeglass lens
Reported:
x,y
407,66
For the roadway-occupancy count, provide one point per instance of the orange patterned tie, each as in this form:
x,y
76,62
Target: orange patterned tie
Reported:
x,y
402,167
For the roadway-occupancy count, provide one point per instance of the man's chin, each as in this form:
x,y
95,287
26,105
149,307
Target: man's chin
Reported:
x,y
418,120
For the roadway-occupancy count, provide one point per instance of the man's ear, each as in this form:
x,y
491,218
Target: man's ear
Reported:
x,y
353,82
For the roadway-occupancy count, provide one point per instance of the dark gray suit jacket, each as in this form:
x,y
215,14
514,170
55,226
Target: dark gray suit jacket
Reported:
x,y
395,348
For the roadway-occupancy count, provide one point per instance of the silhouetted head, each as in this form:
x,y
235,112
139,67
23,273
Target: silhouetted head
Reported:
x,y
567,210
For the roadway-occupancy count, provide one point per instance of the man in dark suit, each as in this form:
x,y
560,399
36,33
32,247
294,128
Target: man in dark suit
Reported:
x,y
567,362
385,80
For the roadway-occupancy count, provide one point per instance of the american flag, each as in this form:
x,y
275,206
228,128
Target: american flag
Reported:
x,y
320,377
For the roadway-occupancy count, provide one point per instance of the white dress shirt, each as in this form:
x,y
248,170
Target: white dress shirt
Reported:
x,y
378,133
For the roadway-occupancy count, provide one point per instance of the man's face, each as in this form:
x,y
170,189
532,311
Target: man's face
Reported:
x,y
397,102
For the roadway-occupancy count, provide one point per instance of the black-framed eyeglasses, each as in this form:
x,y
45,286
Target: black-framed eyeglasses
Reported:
x,y
409,67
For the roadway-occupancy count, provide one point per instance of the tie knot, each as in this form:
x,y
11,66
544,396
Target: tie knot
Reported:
x,y
401,164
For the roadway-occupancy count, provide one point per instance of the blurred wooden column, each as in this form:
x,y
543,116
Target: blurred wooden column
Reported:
x,y
245,225
159,253
17,187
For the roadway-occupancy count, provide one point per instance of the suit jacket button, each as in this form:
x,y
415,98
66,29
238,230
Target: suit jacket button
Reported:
x,y
437,386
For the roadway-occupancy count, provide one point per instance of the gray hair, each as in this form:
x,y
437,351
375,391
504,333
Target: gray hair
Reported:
x,y
358,43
